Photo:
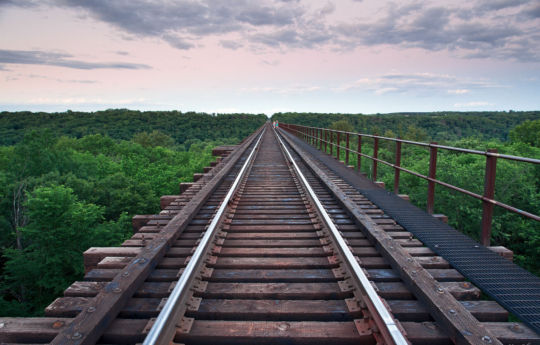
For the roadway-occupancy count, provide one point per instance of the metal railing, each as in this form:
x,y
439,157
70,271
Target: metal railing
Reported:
x,y
327,139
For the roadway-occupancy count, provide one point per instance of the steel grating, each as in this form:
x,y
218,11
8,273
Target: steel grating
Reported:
x,y
513,287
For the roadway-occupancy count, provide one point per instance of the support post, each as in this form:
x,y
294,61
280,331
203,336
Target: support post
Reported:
x,y
375,155
331,143
398,164
325,141
338,142
489,193
347,151
359,156
432,173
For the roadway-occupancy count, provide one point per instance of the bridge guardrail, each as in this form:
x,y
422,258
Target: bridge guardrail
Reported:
x,y
333,138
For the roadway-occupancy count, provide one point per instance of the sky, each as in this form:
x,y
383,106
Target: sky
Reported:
x,y
268,56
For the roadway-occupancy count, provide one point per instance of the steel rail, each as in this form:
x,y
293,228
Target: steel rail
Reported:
x,y
391,334
163,329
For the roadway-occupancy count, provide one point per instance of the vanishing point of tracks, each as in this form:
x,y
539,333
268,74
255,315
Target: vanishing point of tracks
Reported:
x,y
263,251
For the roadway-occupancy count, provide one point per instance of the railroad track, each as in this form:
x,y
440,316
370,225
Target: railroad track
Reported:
x,y
270,247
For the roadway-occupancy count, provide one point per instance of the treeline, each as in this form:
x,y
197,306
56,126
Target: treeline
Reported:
x,y
64,190
439,126
124,124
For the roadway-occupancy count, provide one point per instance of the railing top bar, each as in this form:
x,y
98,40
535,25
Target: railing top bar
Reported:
x,y
444,147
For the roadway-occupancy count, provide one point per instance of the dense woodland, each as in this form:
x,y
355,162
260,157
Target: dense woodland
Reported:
x,y
78,178
71,181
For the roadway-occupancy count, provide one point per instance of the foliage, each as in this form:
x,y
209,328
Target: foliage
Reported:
x,y
80,193
154,139
528,132
124,124
342,125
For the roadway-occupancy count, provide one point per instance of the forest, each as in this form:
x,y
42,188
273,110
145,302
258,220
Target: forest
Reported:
x,y
72,181
517,184
78,178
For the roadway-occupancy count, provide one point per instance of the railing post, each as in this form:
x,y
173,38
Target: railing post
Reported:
x,y
325,141
338,144
398,164
331,143
359,158
375,155
432,173
347,151
489,192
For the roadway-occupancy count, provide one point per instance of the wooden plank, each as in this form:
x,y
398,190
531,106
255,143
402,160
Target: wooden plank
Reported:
x,y
267,263
272,275
275,291
274,252
271,309
413,310
135,307
274,332
111,299
392,275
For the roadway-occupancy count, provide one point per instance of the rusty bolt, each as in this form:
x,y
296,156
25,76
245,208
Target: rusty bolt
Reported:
x,y
58,324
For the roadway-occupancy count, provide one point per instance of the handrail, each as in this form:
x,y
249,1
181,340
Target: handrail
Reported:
x,y
314,136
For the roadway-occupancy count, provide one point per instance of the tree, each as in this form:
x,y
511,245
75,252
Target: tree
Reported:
x,y
528,132
342,125
59,229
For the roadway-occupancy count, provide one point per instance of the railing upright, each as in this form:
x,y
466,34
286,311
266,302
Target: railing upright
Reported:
x,y
376,156
432,173
338,142
398,164
347,151
331,142
489,193
359,154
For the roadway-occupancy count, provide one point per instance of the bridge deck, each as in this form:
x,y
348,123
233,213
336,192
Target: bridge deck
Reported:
x,y
273,273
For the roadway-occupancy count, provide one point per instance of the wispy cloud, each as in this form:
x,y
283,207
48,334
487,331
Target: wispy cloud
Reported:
x,y
36,57
286,90
473,104
417,83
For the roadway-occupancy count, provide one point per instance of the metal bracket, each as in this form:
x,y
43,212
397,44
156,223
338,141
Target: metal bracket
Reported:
x,y
339,272
211,260
206,272
193,303
362,327
185,324
333,260
161,304
199,286
346,285
149,325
